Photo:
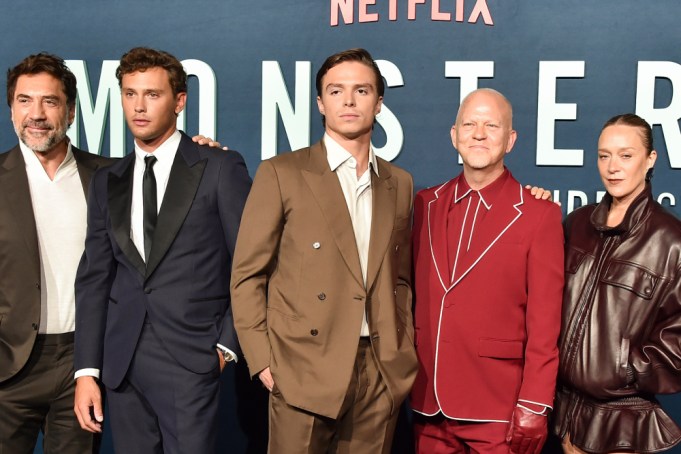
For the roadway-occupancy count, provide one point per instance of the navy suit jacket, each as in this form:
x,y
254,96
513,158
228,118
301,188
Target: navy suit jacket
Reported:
x,y
184,287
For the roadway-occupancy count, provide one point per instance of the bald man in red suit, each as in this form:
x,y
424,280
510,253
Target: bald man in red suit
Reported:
x,y
488,278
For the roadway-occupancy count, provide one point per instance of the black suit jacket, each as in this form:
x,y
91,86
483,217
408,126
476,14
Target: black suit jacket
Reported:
x,y
184,288
20,257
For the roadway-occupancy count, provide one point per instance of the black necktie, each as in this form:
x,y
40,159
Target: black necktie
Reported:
x,y
149,203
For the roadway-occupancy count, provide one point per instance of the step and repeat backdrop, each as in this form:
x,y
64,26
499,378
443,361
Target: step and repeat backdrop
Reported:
x,y
566,66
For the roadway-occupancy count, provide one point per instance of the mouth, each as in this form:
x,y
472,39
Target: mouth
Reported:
x,y
37,128
140,121
614,181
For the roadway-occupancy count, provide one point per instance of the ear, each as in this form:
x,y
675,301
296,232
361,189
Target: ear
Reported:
x,y
379,104
320,105
652,157
512,136
180,102
72,113
452,134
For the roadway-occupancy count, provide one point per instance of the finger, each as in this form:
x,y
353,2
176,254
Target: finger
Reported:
x,y
81,420
509,432
515,443
86,421
97,408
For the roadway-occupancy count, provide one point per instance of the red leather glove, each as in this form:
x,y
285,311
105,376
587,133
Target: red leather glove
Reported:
x,y
527,432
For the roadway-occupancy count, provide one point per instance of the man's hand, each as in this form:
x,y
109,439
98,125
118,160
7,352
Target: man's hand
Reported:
x,y
265,377
223,363
527,432
88,404
203,140
540,193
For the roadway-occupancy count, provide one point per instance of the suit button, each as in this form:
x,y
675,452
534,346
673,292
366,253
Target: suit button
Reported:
x,y
37,285
316,245
147,290
34,326
321,296
397,247
314,332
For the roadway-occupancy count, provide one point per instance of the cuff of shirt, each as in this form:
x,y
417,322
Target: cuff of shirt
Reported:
x,y
534,407
86,373
228,353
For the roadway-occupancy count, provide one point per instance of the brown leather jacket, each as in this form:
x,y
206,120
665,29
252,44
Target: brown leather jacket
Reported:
x,y
619,343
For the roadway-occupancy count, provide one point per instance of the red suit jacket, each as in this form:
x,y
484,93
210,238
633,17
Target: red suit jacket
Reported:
x,y
487,340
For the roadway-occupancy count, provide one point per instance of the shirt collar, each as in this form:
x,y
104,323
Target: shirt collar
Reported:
x,y
488,194
32,160
337,155
164,152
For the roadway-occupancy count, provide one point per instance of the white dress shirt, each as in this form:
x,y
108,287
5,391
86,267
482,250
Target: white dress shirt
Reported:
x,y
165,155
60,212
358,197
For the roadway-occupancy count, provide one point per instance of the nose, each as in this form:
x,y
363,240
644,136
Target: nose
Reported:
x,y
349,99
613,165
37,111
480,132
140,106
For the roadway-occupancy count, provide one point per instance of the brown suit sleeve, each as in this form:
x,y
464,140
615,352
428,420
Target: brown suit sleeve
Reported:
x,y
255,256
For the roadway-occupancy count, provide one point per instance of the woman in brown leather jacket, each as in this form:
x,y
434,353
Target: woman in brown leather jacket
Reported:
x,y
620,340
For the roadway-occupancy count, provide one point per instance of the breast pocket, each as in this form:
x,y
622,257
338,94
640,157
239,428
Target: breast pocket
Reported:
x,y
632,277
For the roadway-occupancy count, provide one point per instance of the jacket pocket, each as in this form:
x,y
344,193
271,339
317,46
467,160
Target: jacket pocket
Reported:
x,y
634,278
573,259
500,348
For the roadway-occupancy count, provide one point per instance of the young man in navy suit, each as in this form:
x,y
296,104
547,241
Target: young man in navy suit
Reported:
x,y
153,316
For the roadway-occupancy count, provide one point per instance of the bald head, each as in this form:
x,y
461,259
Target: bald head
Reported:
x,y
491,97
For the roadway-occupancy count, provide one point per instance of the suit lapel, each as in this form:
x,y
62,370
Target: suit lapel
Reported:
x,y
382,220
504,213
438,210
14,185
185,176
120,201
86,167
326,189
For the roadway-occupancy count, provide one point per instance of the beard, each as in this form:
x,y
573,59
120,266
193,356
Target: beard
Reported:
x,y
45,141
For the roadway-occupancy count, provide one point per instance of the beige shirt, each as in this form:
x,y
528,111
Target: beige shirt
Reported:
x,y
357,192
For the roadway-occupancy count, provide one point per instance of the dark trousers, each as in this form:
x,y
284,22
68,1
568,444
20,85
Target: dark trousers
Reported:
x,y
161,407
40,397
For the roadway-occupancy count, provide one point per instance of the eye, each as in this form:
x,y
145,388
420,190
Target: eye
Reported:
x,y
626,156
492,126
362,91
334,92
51,102
602,157
153,94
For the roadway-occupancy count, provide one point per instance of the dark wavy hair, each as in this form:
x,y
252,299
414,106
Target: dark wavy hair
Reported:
x,y
143,58
43,63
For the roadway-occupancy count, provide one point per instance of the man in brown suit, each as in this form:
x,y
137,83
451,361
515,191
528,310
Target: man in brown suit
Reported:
x,y
321,287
